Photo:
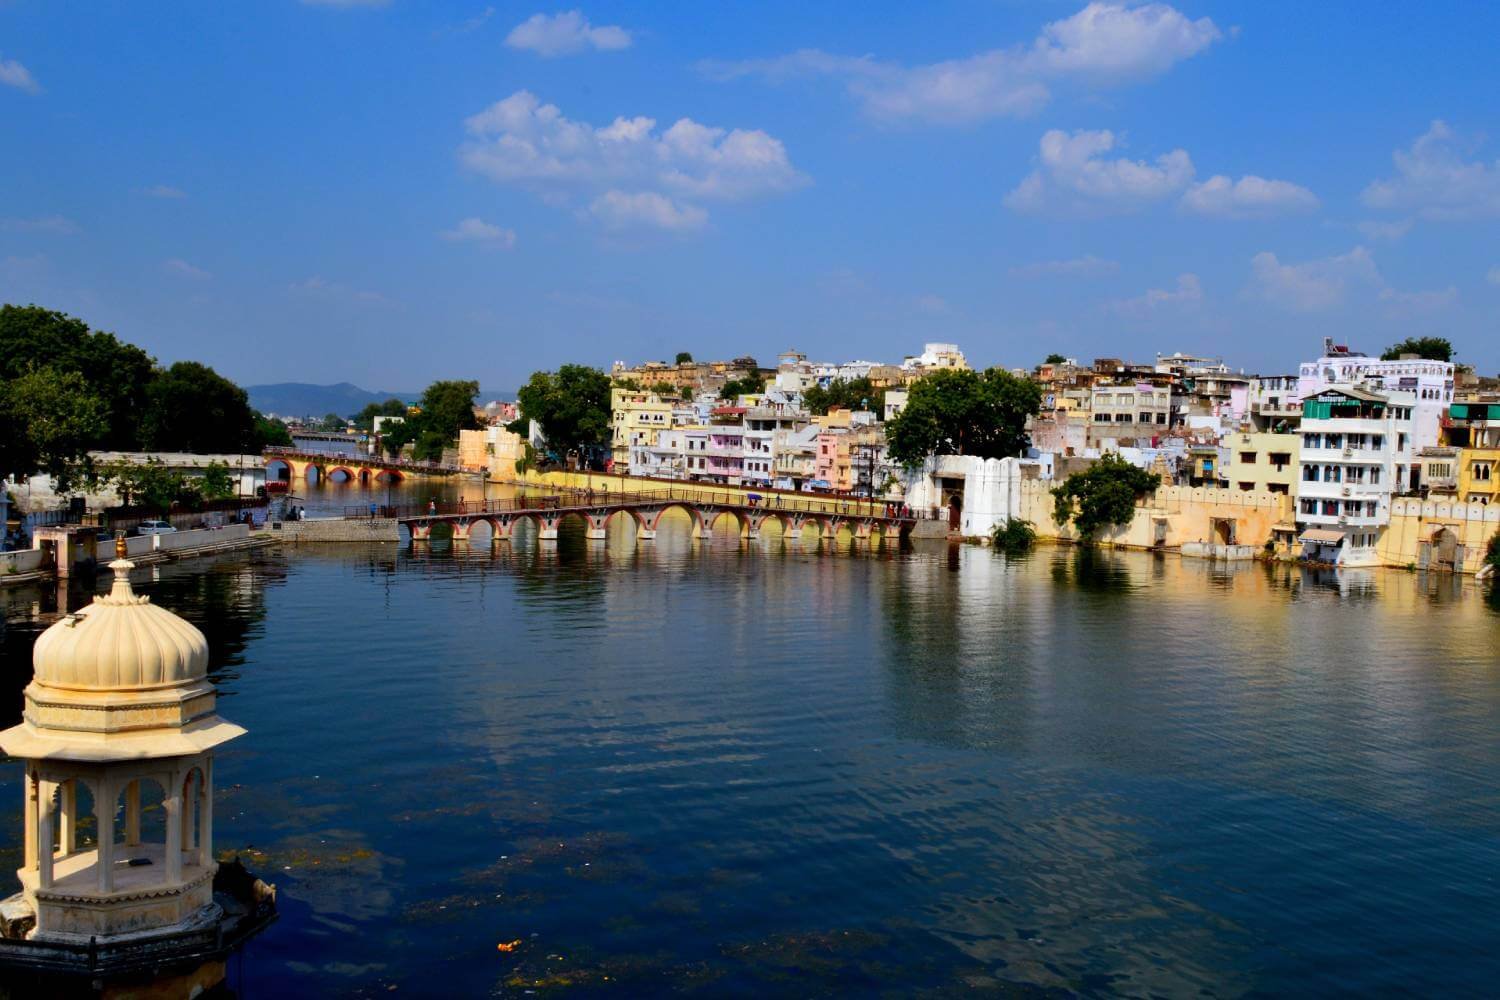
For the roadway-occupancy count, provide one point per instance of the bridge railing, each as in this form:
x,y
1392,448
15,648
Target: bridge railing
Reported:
x,y
327,458
577,499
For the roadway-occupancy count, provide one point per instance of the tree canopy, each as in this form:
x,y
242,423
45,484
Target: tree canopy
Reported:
x,y
684,358
572,407
749,385
66,390
1430,348
1055,359
447,407
961,412
365,418
844,394
1101,496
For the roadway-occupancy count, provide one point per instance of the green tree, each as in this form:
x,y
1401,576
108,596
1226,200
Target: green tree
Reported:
x,y
151,484
365,418
628,384
114,372
1430,348
268,432
192,408
1013,536
49,419
333,423
844,394
1103,495
572,407
684,358
1492,553
749,385
1055,359
448,407
959,412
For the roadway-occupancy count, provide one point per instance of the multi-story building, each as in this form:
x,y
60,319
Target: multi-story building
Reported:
x,y
726,445
695,451
1430,383
1357,452
796,457
1129,410
637,417
1261,460
934,357
1474,428
764,424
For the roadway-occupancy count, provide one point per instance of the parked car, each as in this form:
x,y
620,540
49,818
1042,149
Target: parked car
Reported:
x,y
155,528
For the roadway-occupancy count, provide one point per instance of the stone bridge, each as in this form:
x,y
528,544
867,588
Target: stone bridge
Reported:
x,y
362,469
865,520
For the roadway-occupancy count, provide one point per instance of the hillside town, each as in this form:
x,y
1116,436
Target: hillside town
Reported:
x,y
1335,460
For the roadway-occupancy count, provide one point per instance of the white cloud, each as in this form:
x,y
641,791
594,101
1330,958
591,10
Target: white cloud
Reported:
x,y
346,4
1073,177
565,33
933,304
1434,179
1312,286
165,191
624,210
1085,266
1247,198
476,230
13,74
1103,44
55,224
524,142
1188,294
183,269
1493,277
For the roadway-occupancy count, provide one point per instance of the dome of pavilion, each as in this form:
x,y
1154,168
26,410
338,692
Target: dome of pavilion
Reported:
x,y
120,642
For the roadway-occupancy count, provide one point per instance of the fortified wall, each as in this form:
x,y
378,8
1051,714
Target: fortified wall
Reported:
x,y
1423,533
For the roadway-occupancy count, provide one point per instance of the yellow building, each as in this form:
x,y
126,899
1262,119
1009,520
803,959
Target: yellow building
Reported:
x,y
1261,460
636,417
1475,428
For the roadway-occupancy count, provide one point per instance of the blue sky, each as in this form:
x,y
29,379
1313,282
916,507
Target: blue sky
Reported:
x,y
394,192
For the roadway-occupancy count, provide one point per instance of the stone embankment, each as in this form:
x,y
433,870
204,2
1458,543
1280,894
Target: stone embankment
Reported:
x,y
29,565
335,529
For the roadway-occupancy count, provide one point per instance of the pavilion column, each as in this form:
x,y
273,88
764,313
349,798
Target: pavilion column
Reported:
x,y
67,818
31,820
173,806
133,813
206,817
188,792
104,821
44,835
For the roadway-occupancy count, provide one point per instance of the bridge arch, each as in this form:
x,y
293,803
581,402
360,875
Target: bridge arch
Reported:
x,y
279,470
711,519
629,514
388,476
341,474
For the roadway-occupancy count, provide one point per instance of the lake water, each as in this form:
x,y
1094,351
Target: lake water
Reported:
x,y
717,770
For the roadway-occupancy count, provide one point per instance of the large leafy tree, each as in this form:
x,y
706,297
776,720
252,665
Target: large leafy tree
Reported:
x,y
1431,348
844,394
190,407
953,412
446,408
749,385
572,407
1101,496
48,419
365,418
115,373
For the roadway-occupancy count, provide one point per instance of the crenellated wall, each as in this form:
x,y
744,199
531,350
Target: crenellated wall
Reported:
x,y
1415,524
1171,517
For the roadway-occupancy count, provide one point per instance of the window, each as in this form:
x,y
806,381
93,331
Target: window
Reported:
x,y
1247,487
1312,440
1145,418
1161,418
1247,458
1401,441
1375,475
1101,418
1124,418
1482,472
1281,459
1309,473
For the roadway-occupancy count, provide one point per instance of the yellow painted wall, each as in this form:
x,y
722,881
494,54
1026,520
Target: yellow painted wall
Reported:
x,y
1188,512
1414,521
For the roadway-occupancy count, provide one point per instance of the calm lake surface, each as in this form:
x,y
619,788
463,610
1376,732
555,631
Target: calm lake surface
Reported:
x,y
716,770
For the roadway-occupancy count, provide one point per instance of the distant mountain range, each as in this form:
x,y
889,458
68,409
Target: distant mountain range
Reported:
x,y
303,399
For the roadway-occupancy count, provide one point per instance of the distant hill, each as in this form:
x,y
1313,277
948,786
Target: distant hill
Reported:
x,y
301,399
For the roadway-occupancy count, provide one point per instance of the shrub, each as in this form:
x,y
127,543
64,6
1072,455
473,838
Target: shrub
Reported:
x,y
1013,536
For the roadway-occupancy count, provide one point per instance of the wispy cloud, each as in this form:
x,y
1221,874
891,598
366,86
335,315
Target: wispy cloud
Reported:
x,y
183,269
623,210
1104,44
1493,277
1328,283
476,230
320,288
1187,295
566,33
54,224
1250,197
13,74
346,4
1086,266
164,191
1436,180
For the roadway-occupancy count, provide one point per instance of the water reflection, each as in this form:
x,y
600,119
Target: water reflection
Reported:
x,y
723,767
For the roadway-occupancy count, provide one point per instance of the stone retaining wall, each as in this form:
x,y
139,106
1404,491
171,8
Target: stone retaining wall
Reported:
x,y
380,529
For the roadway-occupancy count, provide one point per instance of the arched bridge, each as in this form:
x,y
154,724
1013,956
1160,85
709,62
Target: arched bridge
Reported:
x,y
865,520
362,469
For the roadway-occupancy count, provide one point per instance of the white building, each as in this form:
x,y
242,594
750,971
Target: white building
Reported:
x,y
1358,450
1429,382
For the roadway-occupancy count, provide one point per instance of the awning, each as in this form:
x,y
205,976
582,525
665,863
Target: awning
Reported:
x,y
1322,536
